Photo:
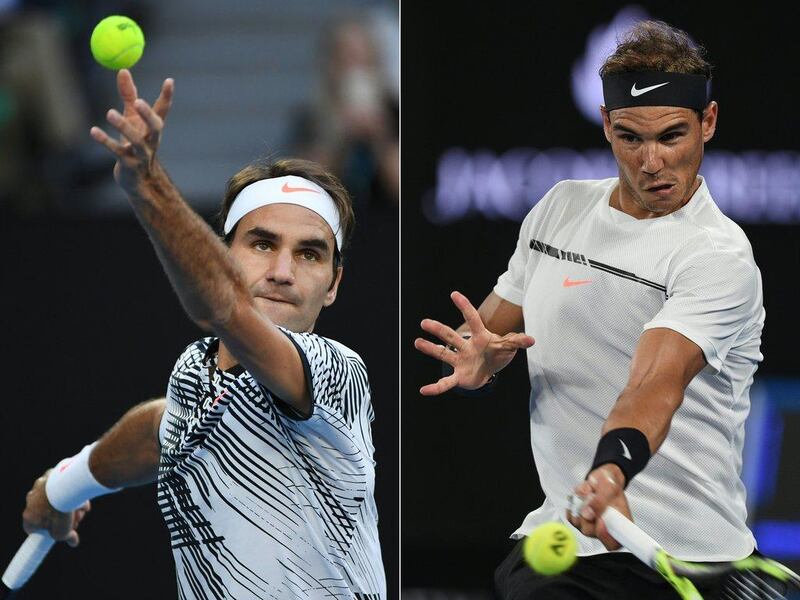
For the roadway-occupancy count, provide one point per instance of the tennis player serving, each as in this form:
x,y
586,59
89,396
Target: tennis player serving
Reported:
x,y
645,304
262,447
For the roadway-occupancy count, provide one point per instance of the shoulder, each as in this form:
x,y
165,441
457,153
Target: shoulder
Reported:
x,y
193,354
571,196
319,348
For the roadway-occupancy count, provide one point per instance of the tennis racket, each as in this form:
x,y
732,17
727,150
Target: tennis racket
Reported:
x,y
25,562
752,578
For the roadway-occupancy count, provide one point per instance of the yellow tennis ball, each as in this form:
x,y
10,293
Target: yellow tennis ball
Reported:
x,y
117,42
550,549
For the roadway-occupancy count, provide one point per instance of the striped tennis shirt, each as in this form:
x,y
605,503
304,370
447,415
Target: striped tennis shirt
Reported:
x,y
259,501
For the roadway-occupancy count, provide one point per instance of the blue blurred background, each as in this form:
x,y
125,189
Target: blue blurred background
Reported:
x,y
501,101
91,324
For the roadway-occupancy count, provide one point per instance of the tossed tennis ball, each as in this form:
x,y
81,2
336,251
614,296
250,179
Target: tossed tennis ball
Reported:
x,y
550,549
117,42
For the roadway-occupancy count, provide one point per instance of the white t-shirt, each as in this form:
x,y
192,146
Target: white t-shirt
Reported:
x,y
259,502
590,279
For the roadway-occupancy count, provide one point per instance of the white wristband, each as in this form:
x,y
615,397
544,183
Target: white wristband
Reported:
x,y
71,483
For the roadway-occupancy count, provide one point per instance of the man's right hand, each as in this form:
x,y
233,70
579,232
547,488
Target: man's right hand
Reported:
x,y
474,360
39,514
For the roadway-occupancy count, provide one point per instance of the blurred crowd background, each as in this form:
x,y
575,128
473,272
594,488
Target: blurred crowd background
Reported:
x,y
91,324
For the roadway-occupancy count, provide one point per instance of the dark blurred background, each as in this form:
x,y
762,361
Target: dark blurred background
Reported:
x,y
91,324
493,115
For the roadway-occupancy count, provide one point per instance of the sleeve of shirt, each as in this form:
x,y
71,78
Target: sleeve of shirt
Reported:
x,y
336,376
511,284
714,296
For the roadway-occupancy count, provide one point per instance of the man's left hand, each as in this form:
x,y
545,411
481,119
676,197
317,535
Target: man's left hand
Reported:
x,y
140,127
603,487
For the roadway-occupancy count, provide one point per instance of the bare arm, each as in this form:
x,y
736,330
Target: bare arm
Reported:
x,y
209,284
665,362
129,453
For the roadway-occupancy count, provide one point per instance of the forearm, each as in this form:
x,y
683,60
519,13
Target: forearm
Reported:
x,y
647,407
197,263
129,453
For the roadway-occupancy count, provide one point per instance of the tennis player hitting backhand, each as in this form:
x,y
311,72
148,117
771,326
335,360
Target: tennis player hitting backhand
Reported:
x,y
646,306
262,447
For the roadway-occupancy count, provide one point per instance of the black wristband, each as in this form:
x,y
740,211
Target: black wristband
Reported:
x,y
627,448
481,391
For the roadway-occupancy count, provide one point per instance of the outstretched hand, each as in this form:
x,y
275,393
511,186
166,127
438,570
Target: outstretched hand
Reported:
x,y
474,360
140,127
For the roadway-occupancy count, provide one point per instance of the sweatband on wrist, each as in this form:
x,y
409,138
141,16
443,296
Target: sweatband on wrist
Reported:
x,y
625,447
71,483
656,88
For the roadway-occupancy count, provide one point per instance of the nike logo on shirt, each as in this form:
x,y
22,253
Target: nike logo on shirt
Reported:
x,y
571,282
635,92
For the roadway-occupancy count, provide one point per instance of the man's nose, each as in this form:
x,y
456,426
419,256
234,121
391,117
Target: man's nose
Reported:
x,y
652,161
281,269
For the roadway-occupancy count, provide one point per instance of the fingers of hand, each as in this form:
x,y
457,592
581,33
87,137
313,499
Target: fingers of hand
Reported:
x,y
72,539
604,536
115,147
164,101
153,121
521,340
126,87
444,333
468,311
125,127
440,387
436,351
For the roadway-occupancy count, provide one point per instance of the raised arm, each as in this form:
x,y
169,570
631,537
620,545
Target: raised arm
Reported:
x,y
209,284
664,364
126,456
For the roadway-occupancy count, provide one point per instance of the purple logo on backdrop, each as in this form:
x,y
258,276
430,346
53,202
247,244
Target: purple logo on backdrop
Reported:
x,y
587,89
749,187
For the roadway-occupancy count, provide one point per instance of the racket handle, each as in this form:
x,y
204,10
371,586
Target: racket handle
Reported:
x,y
622,529
27,559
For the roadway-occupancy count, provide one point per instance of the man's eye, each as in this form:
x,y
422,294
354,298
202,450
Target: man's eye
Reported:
x,y
670,137
309,255
263,246
627,137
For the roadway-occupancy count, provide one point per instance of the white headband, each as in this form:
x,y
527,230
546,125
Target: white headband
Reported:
x,y
285,190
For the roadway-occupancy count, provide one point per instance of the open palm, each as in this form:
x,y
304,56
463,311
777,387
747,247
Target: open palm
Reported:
x,y
474,359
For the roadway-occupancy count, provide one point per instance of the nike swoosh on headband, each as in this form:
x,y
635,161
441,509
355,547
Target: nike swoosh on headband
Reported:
x,y
635,92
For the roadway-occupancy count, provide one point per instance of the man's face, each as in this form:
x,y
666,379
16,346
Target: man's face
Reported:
x,y
658,150
286,253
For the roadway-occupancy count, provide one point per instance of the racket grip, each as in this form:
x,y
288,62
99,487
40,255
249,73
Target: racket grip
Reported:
x,y
622,529
27,559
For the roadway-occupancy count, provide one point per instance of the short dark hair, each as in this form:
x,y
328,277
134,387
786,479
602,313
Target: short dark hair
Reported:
x,y
265,169
657,46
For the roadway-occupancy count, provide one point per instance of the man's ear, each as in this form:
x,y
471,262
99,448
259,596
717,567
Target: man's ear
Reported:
x,y
330,297
606,122
709,122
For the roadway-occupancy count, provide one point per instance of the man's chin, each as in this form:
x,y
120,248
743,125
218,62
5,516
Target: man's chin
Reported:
x,y
280,313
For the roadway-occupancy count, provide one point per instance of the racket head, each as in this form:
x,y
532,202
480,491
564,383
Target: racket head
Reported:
x,y
752,578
